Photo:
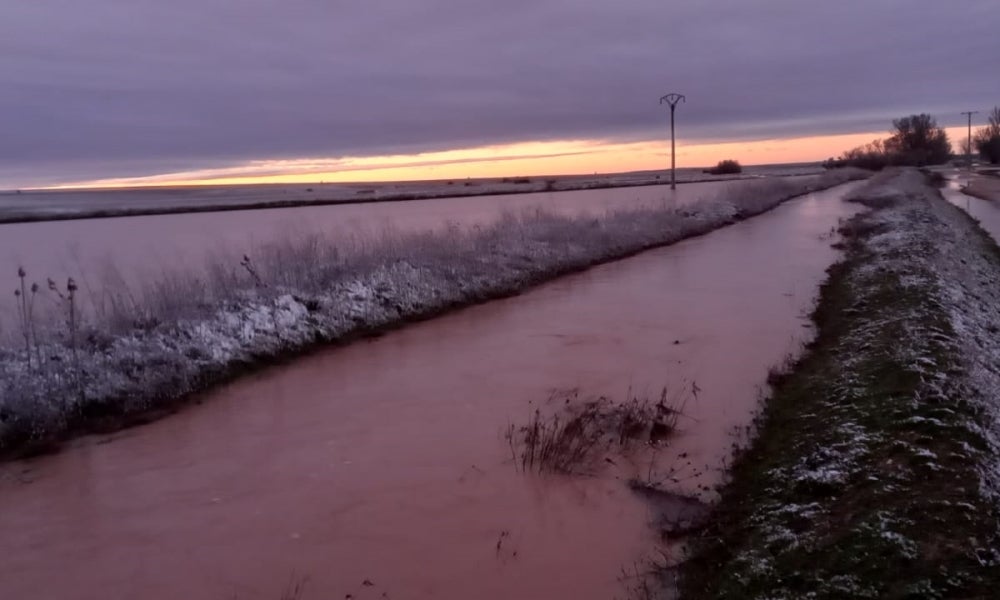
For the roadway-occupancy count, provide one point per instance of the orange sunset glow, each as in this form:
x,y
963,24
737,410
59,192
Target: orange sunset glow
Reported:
x,y
567,157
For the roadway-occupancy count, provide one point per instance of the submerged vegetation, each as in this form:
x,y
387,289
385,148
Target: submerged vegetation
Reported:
x,y
876,472
99,355
580,435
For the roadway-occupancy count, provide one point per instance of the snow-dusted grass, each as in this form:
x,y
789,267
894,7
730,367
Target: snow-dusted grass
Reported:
x,y
875,474
134,351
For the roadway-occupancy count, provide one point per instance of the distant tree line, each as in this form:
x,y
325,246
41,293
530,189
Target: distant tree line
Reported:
x,y
987,139
915,140
725,167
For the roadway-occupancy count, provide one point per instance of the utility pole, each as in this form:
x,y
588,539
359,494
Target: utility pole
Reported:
x,y
672,100
968,142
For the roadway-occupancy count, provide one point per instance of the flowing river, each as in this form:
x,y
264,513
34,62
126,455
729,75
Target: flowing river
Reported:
x,y
379,469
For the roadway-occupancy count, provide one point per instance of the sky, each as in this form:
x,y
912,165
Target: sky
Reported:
x,y
149,91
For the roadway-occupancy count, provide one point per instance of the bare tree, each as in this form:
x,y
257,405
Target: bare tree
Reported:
x,y
918,140
987,138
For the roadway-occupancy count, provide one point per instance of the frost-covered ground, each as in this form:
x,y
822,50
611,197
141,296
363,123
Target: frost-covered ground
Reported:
x,y
68,369
876,473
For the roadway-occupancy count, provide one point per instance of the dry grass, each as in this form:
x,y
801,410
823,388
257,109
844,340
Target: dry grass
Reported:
x,y
309,262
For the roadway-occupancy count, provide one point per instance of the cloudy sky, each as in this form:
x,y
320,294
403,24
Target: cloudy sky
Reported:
x,y
103,89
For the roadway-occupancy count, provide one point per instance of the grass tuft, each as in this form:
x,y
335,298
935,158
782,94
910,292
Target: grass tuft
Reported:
x,y
580,435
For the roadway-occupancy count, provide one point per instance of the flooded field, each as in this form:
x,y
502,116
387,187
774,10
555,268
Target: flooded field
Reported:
x,y
380,470
69,203
85,248
984,211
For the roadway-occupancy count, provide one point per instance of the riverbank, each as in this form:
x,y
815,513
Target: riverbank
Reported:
x,y
876,469
142,361
387,458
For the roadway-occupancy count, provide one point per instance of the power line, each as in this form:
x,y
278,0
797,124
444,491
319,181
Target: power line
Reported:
x,y
968,141
672,100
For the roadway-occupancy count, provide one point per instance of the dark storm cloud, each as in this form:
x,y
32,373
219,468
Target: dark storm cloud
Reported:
x,y
114,88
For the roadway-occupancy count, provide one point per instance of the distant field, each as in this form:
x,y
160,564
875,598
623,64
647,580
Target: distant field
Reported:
x,y
42,205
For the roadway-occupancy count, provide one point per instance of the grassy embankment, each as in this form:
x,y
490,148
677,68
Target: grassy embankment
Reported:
x,y
876,467
99,357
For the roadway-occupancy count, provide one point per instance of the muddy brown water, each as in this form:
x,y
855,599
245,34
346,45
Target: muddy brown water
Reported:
x,y
385,460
